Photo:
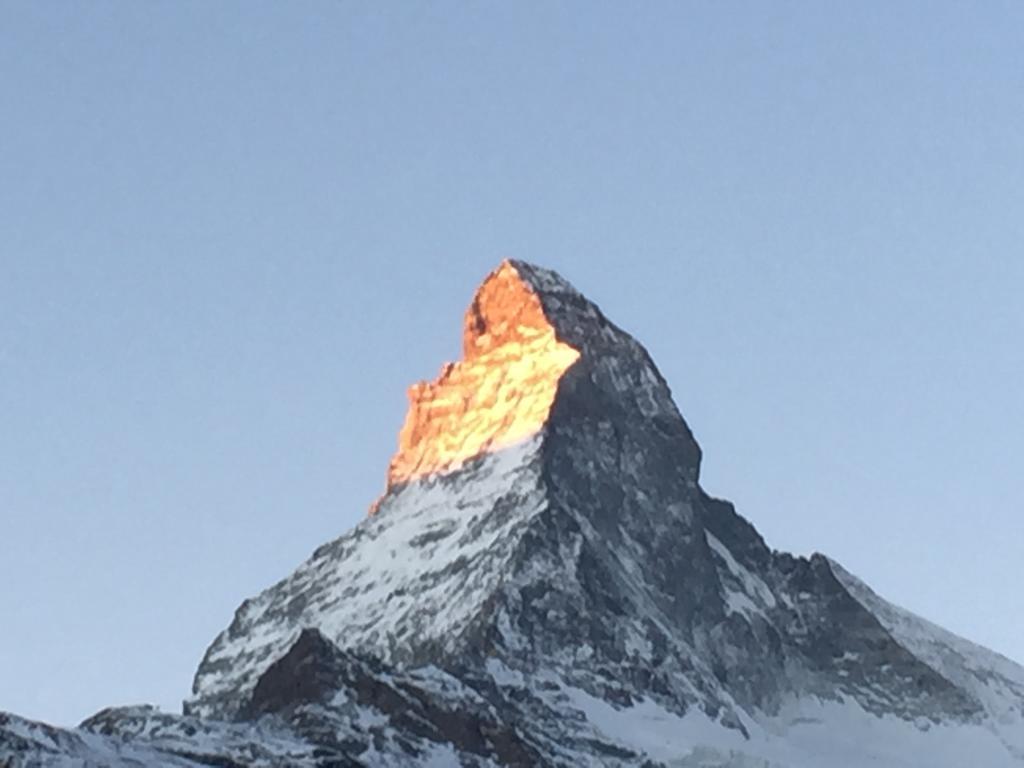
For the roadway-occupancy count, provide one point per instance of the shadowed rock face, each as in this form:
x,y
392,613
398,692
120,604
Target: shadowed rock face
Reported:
x,y
308,674
314,671
544,582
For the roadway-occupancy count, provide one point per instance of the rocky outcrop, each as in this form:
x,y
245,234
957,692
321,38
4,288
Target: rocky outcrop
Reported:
x,y
499,394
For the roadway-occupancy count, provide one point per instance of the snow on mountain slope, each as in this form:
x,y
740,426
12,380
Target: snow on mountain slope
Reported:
x,y
417,569
993,680
158,740
544,582
808,734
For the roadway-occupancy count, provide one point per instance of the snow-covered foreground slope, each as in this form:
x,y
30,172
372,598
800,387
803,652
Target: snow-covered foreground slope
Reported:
x,y
595,732
806,734
545,583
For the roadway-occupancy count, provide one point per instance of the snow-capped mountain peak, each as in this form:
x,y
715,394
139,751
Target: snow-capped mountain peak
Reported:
x,y
544,582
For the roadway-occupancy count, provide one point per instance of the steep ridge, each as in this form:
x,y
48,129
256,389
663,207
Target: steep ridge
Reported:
x,y
544,582
992,680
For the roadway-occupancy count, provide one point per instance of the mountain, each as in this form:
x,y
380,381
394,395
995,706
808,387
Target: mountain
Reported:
x,y
544,582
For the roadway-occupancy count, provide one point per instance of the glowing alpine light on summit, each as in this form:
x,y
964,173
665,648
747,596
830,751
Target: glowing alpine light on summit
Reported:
x,y
499,394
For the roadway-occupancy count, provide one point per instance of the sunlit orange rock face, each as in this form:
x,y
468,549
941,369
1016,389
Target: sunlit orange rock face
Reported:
x,y
500,393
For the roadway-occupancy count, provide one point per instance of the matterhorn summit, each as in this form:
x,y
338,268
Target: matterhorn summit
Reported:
x,y
545,583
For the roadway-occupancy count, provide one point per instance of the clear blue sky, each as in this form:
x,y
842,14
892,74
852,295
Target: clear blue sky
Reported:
x,y
232,234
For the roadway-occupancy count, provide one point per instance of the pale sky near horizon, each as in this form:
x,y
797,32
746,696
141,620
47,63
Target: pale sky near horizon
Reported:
x,y
232,234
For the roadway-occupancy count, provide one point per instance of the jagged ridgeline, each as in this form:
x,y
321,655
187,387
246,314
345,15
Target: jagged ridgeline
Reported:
x,y
545,583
